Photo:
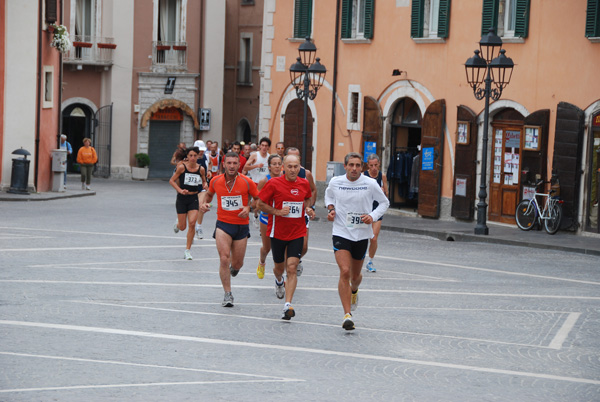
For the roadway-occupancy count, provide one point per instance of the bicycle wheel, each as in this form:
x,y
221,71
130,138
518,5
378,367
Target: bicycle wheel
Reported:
x,y
552,224
526,215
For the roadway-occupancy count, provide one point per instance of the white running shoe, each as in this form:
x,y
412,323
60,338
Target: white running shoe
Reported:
x,y
199,234
88,188
176,227
299,269
288,312
348,324
83,186
279,289
256,222
187,255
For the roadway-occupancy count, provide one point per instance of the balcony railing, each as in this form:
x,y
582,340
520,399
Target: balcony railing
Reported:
x,y
244,73
170,56
90,50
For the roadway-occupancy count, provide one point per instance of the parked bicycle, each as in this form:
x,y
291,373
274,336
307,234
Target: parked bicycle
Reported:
x,y
529,211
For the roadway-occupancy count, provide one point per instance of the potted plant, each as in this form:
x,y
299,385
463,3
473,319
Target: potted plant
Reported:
x,y
140,172
60,38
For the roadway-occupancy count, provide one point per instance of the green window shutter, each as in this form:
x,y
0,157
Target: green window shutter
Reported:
x,y
489,16
416,18
592,19
444,19
369,18
346,18
522,20
302,18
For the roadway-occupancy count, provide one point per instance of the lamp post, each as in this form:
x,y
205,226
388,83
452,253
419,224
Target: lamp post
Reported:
x,y
491,68
307,76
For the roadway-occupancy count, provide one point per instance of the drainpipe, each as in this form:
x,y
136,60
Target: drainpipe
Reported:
x,y
335,64
60,86
200,58
38,98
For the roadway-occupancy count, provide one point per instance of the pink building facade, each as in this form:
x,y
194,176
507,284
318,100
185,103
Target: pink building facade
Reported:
x,y
396,86
29,89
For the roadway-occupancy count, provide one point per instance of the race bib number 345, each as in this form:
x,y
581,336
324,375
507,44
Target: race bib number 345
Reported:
x,y
295,208
353,220
231,203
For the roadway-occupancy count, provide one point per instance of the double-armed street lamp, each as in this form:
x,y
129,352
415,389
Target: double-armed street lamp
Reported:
x,y
491,68
307,76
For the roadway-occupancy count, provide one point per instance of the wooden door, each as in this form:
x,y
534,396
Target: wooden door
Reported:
x,y
568,145
505,173
292,129
430,176
371,125
465,164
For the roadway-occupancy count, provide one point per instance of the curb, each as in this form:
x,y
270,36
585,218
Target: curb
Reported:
x,y
43,196
458,236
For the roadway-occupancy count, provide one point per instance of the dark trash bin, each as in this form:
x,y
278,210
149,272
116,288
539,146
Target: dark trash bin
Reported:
x,y
20,172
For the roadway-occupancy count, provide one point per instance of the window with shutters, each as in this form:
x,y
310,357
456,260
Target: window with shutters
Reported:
x,y
592,20
48,87
303,18
357,19
85,20
509,18
354,107
430,20
245,61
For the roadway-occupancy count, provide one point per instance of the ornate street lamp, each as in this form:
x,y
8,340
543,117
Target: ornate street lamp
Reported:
x,y
485,70
307,75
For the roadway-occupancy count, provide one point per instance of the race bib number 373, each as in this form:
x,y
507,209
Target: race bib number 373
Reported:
x,y
231,203
353,220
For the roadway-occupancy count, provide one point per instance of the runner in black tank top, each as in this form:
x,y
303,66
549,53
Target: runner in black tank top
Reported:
x,y
373,171
188,182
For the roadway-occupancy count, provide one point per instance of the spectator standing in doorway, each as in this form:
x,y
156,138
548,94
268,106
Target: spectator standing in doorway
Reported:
x,y
87,158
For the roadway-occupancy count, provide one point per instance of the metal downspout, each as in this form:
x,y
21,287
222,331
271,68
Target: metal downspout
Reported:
x,y
38,98
335,72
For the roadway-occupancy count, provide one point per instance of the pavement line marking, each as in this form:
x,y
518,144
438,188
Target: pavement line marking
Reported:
x,y
97,248
150,384
95,233
495,342
115,262
324,352
442,264
77,359
399,291
563,332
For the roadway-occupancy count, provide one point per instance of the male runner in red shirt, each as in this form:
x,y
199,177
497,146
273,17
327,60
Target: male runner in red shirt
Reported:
x,y
285,199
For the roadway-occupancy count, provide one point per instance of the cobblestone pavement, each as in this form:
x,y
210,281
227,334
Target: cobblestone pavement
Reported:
x,y
97,303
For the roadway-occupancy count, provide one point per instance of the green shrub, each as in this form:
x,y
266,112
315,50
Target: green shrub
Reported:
x,y
142,160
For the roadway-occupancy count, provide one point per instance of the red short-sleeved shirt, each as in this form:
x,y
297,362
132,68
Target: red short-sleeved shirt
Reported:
x,y
230,203
282,192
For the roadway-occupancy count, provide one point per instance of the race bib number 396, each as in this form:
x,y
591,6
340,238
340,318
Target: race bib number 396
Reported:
x,y
231,203
295,208
353,220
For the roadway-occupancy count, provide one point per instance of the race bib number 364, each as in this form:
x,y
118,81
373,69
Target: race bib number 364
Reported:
x,y
353,220
295,208
231,203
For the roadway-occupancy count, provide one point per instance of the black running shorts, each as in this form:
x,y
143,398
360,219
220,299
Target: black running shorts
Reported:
x,y
186,203
358,249
279,247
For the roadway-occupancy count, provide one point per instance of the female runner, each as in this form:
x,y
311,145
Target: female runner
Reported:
x,y
373,172
187,180
275,165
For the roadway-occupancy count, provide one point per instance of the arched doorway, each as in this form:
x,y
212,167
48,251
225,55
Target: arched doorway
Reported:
x,y
165,135
243,131
404,142
371,134
292,129
77,125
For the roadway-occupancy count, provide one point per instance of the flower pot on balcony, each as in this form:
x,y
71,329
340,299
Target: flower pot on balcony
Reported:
x,y
107,46
163,47
138,173
179,47
82,44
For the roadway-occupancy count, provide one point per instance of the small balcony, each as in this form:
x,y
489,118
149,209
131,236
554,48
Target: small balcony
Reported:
x,y
169,56
91,50
244,73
